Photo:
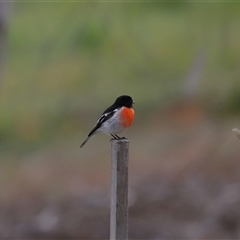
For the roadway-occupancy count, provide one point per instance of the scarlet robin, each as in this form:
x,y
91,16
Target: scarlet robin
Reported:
x,y
115,119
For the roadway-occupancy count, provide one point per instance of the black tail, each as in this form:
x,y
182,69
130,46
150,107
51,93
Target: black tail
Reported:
x,y
86,140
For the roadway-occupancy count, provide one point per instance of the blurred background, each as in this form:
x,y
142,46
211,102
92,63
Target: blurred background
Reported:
x,y
62,64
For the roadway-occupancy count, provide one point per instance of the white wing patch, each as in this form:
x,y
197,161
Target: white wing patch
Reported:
x,y
106,116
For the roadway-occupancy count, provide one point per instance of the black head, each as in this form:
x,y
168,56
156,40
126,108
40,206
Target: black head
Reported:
x,y
125,101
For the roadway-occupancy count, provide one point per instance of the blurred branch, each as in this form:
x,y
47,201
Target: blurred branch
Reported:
x,y
3,34
237,132
195,73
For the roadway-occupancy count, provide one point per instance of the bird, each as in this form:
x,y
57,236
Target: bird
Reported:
x,y
115,119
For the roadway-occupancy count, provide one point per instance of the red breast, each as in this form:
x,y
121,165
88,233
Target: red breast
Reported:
x,y
127,116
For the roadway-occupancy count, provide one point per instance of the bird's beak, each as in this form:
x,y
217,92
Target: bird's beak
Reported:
x,y
133,102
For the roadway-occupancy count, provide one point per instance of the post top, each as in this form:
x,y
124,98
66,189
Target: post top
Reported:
x,y
121,140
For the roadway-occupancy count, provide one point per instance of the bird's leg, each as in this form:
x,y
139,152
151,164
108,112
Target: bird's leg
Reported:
x,y
117,136
114,137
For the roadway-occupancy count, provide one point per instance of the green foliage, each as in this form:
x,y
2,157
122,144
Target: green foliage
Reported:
x,y
66,61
